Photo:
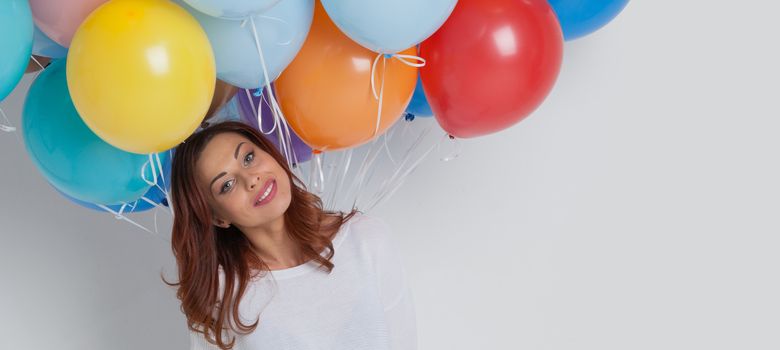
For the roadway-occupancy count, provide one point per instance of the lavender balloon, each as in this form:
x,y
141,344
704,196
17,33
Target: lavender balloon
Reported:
x,y
248,101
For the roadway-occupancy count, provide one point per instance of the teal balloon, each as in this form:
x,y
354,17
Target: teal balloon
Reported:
x,y
68,154
281,30
388,26
16,37
44,46
154,194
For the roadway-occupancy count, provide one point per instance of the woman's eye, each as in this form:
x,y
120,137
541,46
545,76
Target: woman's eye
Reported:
x,y
249,158
226,186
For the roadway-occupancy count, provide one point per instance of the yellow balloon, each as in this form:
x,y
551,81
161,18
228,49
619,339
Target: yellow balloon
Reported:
x,y
141,74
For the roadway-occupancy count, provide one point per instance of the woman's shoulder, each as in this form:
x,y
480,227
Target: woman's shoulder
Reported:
x,y
369,230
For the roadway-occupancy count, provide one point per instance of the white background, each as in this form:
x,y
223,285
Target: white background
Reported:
x,y
637,208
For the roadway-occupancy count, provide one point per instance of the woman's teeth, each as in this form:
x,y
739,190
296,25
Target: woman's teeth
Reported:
x,y
267,192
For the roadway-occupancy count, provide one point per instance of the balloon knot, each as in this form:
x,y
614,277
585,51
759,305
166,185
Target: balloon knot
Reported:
x,y
388,55
258,92
409,117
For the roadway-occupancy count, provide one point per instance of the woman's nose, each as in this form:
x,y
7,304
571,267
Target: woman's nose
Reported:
x,y
253,181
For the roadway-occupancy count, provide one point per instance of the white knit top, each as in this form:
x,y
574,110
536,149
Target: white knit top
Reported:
x,y
364,303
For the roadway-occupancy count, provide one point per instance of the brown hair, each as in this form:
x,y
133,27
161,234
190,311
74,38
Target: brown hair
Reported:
x,y
201,248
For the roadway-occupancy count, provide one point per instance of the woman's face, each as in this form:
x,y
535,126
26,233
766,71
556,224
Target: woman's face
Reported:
x,y
235,174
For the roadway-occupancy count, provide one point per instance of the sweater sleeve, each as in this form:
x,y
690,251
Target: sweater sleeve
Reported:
x,y
395,291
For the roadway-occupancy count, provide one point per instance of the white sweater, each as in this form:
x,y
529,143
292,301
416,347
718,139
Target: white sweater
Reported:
x,y
364,303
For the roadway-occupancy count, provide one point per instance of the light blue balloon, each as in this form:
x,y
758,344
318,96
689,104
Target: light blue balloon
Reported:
x,y
419,106
44,46
16,37
388,26
281,30
232,9
68,154
582,17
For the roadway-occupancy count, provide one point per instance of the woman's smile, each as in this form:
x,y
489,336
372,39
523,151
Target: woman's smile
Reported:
x,y
266,195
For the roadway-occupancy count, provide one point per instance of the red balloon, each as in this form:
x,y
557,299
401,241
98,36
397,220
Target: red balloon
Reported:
x,y
491,64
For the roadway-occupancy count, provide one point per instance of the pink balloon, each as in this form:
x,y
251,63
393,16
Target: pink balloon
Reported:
x,y
59,19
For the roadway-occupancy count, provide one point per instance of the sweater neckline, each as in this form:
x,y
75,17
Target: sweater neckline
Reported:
x,y
313,265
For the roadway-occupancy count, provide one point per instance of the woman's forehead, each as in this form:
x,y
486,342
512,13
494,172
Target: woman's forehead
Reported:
x,y
220,150
224,146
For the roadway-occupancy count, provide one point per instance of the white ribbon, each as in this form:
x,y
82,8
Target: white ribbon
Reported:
x,y
394,182
6,128
36,61
155,158
284,137
119,216
408,60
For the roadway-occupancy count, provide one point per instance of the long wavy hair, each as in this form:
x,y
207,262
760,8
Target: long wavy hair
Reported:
x,y
201,248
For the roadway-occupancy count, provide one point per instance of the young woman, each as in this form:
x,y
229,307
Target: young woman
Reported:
x,y
263,266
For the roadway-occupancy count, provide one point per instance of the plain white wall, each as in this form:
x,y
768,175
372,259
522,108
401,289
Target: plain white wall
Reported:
x,y
637,208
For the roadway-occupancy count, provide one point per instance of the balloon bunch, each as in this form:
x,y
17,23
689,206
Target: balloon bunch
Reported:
x,y
123,82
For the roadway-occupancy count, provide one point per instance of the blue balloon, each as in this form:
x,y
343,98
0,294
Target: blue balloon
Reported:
x,y
419,106
69,155
388,26
44,46
154,194
232,9
281,30
16,37
582,17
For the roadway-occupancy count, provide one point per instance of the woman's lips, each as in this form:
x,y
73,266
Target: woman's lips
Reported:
x,y
270,195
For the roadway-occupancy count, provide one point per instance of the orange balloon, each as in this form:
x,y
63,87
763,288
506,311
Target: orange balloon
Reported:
x,y
325,93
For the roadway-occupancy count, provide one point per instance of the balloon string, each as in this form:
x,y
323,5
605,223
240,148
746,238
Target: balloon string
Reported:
x,y
316,179
256,109
381,90
133,205
390,186
156,205
285,30
368,161
454,141
408,60
289,142
346,157
32,57
405,59
155,158
409,151
406,128
277,19
156,230
285,137
4,127
119,216
331,169
386,138
275,109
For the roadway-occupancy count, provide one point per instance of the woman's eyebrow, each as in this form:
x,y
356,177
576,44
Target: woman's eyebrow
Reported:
x,y
217,178
235,155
